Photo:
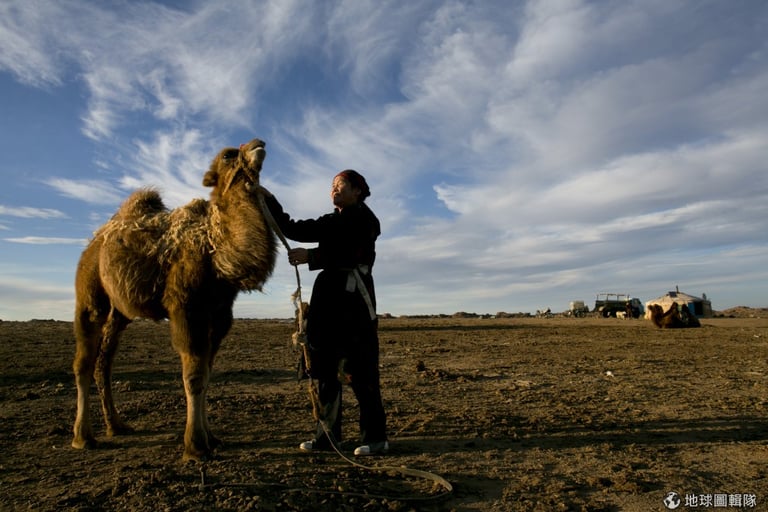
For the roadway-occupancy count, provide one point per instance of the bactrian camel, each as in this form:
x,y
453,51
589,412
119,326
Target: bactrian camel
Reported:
x,y
186,265
674,318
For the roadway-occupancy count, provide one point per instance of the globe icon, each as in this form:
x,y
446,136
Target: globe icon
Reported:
x,y
672,500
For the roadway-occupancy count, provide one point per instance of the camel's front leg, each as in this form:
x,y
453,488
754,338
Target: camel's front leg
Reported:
x,y
191,335
222,322
213,441
195,371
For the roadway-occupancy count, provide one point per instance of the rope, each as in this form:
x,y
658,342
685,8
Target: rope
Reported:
x,y
204,485
296,297
299,339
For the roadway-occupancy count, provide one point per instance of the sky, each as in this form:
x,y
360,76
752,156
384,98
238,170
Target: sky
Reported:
x,y
521,154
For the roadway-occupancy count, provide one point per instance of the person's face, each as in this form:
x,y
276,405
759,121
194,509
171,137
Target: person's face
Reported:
x,y
343,194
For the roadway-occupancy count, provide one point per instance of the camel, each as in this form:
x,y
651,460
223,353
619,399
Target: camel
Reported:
x,y
673,318
186,265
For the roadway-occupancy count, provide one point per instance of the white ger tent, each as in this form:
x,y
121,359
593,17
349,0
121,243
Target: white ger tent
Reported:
x,y
699,306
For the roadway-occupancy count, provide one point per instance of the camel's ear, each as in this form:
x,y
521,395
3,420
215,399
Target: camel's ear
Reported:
x,y
211,178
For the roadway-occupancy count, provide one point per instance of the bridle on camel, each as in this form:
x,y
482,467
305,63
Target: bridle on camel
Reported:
x,y
299,339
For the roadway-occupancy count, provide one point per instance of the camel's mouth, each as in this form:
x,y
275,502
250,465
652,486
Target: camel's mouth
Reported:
x,y
255,153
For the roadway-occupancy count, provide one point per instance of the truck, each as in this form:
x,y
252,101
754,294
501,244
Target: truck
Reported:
x,y
609,304
578,309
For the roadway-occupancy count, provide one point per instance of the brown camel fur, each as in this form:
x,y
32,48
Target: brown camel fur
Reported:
x,y
186,265
673,318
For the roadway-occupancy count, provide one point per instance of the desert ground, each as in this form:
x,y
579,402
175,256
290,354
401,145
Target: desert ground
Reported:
x,y
516,413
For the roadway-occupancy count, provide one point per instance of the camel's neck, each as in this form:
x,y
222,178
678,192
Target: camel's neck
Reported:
x,y
244,247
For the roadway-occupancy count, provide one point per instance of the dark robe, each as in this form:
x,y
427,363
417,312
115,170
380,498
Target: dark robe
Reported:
x,y
342,328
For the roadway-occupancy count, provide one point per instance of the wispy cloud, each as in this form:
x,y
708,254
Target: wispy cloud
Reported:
x,y
89,191
26,50
40,240
174,163
27,212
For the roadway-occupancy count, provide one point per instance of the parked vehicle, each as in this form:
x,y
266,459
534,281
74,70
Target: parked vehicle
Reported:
x,y
578,309
608,304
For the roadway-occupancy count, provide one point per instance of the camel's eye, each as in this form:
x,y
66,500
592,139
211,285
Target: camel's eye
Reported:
x,y
230,154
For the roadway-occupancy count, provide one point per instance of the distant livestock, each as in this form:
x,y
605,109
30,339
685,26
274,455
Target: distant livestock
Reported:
x,y
676,317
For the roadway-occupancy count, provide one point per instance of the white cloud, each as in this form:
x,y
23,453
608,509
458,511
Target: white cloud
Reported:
x,y
174,163
42,240
31,213
90,191
26,52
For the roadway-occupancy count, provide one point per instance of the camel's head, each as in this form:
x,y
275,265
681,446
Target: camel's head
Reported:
x,y
235,167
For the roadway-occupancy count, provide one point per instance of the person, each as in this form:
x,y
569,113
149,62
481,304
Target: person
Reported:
x,y
341,324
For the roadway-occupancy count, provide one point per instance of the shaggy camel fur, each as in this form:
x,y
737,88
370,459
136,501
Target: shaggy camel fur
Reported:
x,y
673,318
186,265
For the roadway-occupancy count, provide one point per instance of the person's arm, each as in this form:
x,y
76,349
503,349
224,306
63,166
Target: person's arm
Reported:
x,y
299,230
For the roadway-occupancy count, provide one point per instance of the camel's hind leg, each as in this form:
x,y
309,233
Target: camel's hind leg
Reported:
x,y
88,325
115,324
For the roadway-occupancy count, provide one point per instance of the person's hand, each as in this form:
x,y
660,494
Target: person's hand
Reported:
x,y
298,256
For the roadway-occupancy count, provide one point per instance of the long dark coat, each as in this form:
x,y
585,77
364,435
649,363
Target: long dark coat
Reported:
x,y
338,319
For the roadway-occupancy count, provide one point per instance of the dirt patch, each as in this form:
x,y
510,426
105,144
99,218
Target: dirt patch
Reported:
x,y
518,414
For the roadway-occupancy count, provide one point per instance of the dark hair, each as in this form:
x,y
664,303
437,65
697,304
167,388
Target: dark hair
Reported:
x,y
357,181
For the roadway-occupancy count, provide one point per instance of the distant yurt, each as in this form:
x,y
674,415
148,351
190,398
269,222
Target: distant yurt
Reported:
x,y
699,306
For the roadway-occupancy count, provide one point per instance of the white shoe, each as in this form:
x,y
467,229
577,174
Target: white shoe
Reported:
x,y
314,445
372,449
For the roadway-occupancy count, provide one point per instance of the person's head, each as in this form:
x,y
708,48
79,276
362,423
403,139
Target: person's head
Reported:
x,y
349,188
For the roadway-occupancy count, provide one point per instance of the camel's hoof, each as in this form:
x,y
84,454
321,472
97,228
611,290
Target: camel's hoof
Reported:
x,y
84,443
120,430
192,455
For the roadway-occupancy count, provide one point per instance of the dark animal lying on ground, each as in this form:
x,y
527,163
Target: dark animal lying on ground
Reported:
x,y
673,318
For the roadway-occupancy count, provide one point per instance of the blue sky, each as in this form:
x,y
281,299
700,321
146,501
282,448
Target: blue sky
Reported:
x,y
521,154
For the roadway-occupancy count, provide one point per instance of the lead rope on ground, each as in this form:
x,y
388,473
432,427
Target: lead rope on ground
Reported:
x,y
299,339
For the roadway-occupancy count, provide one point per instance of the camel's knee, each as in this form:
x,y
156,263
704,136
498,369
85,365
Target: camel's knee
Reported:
x,y
195,372
83,367
196,384
87,338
